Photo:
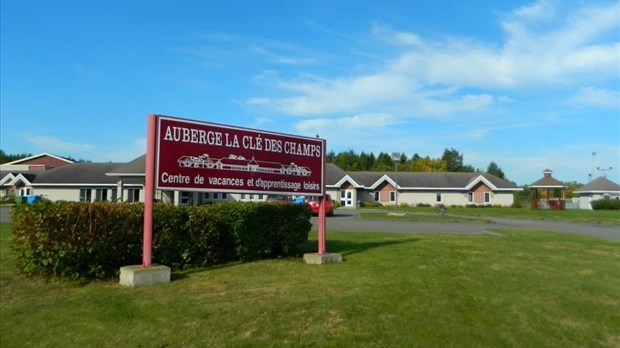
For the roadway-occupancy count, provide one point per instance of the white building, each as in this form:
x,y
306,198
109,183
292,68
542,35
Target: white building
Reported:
x,y
599,188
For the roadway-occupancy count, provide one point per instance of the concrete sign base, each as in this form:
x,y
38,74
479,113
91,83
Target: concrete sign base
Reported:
x,y
137,275
319,259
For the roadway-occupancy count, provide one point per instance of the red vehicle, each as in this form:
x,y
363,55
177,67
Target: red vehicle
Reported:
x,y
313,201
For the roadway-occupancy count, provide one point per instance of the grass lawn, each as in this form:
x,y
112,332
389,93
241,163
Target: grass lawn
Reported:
x,y
521,289
421,217
576,215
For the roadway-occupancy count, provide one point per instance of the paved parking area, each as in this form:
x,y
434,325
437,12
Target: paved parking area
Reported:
x,y
347,220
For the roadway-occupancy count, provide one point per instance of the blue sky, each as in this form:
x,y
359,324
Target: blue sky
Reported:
x,y
529,85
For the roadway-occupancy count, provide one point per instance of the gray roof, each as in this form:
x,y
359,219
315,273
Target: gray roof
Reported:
x,y
547,181
434,180
132,168
333,174
600,184
78,173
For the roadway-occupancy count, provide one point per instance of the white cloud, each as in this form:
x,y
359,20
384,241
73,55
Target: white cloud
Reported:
x,y
542,47
56,145
357,130
591,96
350,123
125,153
538,11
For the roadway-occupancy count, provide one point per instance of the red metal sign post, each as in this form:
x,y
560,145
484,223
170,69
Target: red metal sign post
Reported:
x,y
149,190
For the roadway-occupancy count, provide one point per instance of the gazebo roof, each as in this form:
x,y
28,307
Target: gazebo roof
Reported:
x,y
548,181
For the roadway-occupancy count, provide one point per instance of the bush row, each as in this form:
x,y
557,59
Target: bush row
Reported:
x,y
84,241
606,204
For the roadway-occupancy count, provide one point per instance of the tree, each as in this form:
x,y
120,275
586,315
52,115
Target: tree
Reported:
x,y
494,169
347,160
6,158
366,161
453,159
427,165
383,163
330,157
402,159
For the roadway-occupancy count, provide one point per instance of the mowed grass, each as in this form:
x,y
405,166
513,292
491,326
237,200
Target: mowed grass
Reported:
x,y
520,289
575,215
421,217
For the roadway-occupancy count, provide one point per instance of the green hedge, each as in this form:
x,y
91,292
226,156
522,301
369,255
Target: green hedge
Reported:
x,y
606,204
83,241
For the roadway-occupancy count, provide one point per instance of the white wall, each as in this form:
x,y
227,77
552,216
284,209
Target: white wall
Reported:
x,y
71,194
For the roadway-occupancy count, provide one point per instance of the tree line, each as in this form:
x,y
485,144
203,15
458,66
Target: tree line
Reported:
x,y
450,161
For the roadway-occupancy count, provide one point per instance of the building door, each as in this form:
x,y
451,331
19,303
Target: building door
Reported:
x,y
346,198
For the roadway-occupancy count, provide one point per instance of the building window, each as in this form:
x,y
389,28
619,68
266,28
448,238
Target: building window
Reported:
x,y
101,194
392,196
251,196
243,196
224,195
85,195
206,195
24,191
114,195
260,197
133,195
487,197
216,195
438,197
185,198
377,196
470,197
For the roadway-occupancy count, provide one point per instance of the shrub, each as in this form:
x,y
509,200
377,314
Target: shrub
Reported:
x,y
82,241
370,204
606,204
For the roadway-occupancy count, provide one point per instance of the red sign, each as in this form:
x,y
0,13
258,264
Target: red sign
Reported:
x,y
199,156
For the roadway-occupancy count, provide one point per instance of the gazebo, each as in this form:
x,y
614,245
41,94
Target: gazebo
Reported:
x,y
548,192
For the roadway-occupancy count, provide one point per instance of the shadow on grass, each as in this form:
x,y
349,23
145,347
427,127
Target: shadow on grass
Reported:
x,y
186,273
345,248
349,248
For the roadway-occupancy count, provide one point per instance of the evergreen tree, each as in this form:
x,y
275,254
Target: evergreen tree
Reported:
x,y
494,169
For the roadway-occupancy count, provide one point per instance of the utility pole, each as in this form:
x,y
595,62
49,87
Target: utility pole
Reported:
x,y
592,171
396,158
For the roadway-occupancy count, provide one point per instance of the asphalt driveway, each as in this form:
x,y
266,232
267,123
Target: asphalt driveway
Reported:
x,y
347,220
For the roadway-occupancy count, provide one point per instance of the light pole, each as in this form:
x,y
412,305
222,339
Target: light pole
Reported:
x,y
396,158
603,170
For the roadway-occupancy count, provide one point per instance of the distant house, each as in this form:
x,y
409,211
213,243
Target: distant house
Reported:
x,y
84,182
16,177
599,188
415,188
35,163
